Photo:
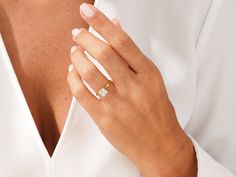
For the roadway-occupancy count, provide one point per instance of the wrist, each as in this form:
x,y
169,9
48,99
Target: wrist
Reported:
x,y
176,159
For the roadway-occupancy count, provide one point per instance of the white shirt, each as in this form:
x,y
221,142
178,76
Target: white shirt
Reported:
x,y
193,43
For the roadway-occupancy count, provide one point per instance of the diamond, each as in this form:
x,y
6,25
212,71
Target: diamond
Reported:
x,y
102,92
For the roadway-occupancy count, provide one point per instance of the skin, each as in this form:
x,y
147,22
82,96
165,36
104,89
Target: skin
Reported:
x,y
37,35
133,114
147,132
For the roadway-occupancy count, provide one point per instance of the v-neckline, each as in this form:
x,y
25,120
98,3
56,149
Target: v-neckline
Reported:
x,y
29,116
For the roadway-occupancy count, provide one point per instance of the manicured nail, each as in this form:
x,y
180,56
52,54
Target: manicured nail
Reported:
x,y
73,48
87,10
70,68
75,31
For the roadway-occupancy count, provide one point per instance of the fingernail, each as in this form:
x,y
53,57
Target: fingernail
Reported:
x,y
87,10
70,68
73,48
75,31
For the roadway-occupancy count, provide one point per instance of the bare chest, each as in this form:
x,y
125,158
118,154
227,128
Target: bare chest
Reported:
x,y
38,40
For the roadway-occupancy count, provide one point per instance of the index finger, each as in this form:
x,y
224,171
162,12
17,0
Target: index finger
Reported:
x,y
115,36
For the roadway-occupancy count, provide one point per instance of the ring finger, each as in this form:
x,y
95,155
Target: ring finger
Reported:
x,y
87,70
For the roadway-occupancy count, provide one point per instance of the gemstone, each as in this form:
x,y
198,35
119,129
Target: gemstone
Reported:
x,y
102,92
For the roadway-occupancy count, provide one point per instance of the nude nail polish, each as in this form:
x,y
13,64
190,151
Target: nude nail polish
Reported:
x,y
73,48
75,31
70,68
87,10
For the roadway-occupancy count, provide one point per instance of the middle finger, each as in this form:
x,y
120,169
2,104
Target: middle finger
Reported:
x,y
116,67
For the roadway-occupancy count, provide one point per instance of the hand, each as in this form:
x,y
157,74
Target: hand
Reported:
x,y
136,116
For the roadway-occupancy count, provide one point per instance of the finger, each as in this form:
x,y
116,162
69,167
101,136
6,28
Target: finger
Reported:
x,y
116,37
103,53
116,22
81,92
107,93
87,70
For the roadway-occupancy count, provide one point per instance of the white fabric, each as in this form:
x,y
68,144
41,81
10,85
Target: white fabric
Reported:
x,y
193,42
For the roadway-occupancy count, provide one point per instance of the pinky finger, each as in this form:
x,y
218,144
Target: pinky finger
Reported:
x,y
79,90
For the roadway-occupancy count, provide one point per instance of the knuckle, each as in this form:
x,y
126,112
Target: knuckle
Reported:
x,y
77,88
78,91
89,73
75,56
99,21
122,40
105,53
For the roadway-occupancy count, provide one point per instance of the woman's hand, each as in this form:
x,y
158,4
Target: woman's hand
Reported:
x,y
136,115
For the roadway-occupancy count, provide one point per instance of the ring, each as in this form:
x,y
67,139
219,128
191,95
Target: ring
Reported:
x,y
102,92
